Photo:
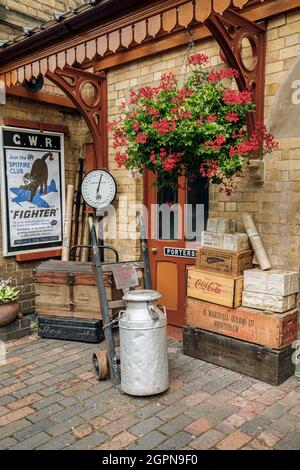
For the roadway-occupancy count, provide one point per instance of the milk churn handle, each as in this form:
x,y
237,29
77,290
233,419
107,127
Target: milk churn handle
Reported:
x,y
154,313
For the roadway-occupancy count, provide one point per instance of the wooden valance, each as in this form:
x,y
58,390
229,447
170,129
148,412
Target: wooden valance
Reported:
x,y
129,30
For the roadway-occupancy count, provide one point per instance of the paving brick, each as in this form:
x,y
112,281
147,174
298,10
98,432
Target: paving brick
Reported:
x,y
46,402
149,410
29,431
207,440
33,442
61,416
7,443
171,411
11,388
285,424
45,413
65,426
234,441
99,422
270,397
12,428
29,390
176,442
175,425
90,442
82,430
256,425
61,442
15,415
198,427
195,398
269,437
290,442
199,411
239,386
149,441
145,426
28,400
122,424
121,441
275,411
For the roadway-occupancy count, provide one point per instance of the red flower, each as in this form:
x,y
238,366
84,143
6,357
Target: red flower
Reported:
x,y
136,126
216,76
168,81
121,159
233,97
198,59
231,116
152,111
141,138
215,144
211,118
152,157
164,126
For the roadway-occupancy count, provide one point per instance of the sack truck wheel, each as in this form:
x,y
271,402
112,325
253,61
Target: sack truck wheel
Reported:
x,y
100,365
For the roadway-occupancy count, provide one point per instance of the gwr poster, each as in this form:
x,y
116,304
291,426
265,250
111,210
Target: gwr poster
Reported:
x,y
32,170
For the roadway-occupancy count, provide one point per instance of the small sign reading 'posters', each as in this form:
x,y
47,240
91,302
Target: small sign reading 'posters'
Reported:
x,y
32,183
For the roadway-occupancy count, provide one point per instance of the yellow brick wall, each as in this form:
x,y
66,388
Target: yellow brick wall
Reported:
x,y
24,109
274,204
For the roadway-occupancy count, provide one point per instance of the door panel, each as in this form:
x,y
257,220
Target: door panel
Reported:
x,y
167,283
169,272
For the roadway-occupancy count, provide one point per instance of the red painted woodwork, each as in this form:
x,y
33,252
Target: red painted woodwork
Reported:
x,y
40,126
40,255
41,97
93,109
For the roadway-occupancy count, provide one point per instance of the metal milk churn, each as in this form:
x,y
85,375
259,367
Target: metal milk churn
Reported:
x,y
143,344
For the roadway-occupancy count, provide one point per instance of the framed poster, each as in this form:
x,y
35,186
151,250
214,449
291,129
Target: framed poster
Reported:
x,y
32,190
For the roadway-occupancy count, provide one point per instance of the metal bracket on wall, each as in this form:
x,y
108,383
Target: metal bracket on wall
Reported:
x,y
88,92
230,31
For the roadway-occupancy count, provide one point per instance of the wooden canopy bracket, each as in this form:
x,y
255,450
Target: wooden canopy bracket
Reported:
x,y
230,30
89,94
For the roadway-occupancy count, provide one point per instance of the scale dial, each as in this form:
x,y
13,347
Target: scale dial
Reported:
x,y
98,189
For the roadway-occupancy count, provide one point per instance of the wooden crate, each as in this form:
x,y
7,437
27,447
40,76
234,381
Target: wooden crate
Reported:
x,y
226,262
272,282
268,365
275,331
270,303
218,225
68,289
219,289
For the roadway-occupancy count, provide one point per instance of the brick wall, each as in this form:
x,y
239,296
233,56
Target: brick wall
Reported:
x,y
25,109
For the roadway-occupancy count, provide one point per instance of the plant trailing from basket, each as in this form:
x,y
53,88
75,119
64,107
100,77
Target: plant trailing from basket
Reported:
x,y
7,292
197,128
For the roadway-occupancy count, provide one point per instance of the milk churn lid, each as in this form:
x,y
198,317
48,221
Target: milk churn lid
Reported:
x,y
143,295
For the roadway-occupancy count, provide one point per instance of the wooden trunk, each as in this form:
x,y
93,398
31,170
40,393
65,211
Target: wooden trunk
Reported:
x,y
224,241
268,365
219,289
72,329
275,331
224,262
68,289
271,303
273,282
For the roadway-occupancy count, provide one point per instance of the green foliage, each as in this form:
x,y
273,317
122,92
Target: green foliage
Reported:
x,y
7,292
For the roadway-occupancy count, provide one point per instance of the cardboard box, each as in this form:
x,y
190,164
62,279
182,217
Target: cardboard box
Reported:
x,y
272,282
215,288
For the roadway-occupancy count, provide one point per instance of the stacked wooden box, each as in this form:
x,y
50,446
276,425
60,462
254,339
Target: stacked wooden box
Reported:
x,y
221,324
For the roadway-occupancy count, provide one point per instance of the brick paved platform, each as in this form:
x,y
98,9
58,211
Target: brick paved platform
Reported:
x,y
49,399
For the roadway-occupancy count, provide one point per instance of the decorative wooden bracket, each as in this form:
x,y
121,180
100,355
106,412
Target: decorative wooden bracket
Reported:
x,y
230,30
89,94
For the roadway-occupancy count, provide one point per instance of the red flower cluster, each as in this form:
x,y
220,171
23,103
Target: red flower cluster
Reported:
x,y
231,116
121,159
233,97
218,75
216,144
167,81
198,59
209,169
141,138
211,118
164,126
120,139
151,111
